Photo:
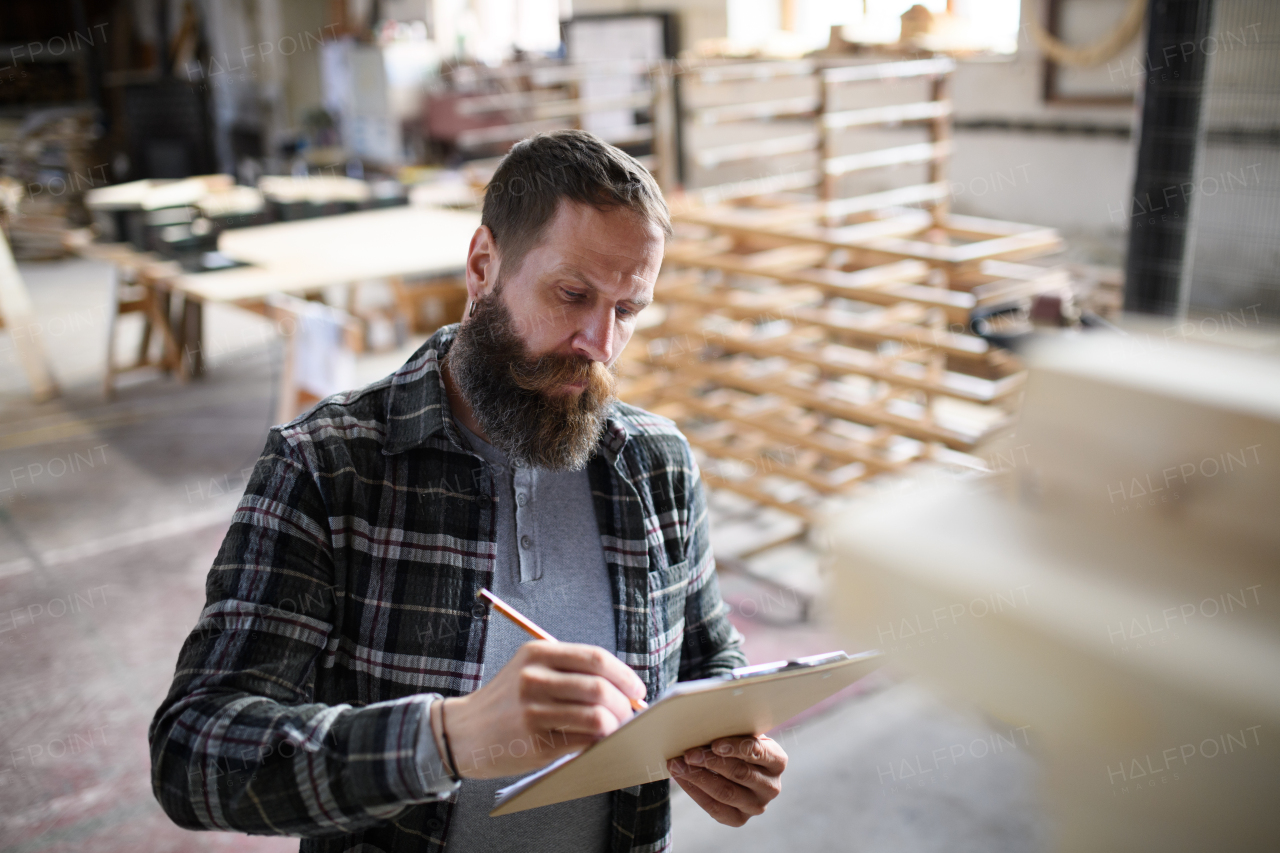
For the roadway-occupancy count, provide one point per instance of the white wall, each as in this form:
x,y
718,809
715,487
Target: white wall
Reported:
x,y
1068,180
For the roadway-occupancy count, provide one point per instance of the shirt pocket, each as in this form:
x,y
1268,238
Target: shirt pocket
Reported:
x,y
668,589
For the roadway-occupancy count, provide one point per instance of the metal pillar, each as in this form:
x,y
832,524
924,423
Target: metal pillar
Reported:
x,y
1158,265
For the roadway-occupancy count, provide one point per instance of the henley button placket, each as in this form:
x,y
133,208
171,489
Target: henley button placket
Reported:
x,y
524,482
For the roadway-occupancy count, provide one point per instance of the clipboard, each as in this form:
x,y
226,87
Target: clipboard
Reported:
x,y
751,700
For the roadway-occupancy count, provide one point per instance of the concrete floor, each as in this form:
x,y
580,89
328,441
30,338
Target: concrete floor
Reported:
x,y
111,513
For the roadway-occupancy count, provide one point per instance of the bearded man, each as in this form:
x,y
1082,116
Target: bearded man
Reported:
x,y
344,684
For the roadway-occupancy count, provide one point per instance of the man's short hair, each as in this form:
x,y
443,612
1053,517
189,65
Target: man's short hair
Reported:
x,y
539,171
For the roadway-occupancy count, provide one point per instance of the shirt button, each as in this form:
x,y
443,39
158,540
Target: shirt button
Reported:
x,y
477,610
483,500
522,499
526,542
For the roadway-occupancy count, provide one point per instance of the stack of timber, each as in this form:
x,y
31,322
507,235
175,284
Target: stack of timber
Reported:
x,y
807,341
48,160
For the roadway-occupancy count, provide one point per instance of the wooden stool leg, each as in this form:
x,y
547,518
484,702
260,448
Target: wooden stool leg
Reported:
x,y
193,335
109,378
161,317
144,343
287,391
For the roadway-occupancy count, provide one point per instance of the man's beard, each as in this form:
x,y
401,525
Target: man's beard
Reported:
x,y
507,390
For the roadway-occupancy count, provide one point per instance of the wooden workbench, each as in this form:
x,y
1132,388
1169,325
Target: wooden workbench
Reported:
x,y
311,254
298,258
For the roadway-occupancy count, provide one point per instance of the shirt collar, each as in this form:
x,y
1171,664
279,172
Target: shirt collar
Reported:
x,y
418,404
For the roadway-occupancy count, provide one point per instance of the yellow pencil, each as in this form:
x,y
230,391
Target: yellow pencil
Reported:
x,y
526,623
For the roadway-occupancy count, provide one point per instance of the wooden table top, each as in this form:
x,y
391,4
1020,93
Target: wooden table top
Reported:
x,y
314,253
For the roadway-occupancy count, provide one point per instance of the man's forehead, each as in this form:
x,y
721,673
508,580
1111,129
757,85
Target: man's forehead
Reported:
x,y
614,245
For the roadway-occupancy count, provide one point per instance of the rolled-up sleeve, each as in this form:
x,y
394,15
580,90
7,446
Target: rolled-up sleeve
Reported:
x,y
238,743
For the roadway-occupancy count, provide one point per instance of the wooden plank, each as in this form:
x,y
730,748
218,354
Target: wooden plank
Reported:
x,y
940,134
1030,244
783,259
950,343
755,71
907,222
836,447
982,227
755,110
756,187
666,150
814,480
956,305
780,224
871,415
545,73
364,238
740,219
698,247
920,152
1014,289
834,357
670,283
891,114
888,70
737,305
790,144
742,306
863,285
1010,269
796,224
903,247
310,254
915,194
545,109
759,496
1026,244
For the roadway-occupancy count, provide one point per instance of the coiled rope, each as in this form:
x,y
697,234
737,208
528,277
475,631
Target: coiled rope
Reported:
x,y
1098,52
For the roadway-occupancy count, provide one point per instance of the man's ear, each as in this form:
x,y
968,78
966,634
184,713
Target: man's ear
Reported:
x,y
482,265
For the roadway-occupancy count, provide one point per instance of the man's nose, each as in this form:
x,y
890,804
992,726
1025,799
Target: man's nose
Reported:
x,y
595,338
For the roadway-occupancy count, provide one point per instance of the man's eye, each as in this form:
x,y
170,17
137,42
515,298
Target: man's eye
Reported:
x,y
625,312
572,294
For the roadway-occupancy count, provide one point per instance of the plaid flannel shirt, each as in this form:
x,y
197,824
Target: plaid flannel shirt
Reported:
x,y
344,594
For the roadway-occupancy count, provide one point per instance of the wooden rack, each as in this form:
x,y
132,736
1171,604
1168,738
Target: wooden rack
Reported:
x,y
810,338
748,128
795,390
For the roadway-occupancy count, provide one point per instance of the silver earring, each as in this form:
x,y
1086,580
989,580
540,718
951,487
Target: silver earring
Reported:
x,y
472,311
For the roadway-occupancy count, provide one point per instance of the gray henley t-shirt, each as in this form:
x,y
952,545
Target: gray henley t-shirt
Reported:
x,y
551,567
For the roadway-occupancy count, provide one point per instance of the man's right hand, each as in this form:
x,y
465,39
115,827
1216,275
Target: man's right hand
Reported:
x,y
550,699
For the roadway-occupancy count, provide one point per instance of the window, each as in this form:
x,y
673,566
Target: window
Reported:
x,y
978,24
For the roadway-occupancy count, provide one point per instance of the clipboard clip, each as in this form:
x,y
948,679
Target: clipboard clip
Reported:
x,y
785,665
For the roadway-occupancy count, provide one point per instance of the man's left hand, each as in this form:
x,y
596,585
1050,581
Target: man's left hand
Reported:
x,y
732,778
